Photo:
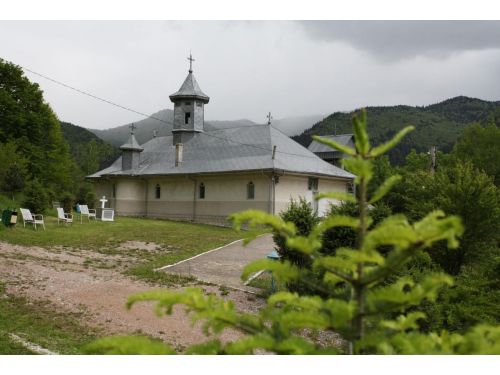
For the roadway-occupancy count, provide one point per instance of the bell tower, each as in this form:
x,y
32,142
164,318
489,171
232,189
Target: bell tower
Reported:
x,y
189,104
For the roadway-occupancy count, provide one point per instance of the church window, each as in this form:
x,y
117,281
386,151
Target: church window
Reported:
x,y
250,190
114,190
158,191
202,191
312,184
187,116
199,104
187,103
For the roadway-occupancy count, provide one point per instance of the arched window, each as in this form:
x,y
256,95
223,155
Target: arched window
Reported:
x,y
202,191
250,190
158,191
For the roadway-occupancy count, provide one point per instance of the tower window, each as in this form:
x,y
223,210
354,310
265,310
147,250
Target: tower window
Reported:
x,y
187,116
187,103
158,191
199,104
250,190
202,190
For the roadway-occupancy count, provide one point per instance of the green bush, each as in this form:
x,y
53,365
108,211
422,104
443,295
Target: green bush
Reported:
x,y
35,197
302,215
90,199
67,201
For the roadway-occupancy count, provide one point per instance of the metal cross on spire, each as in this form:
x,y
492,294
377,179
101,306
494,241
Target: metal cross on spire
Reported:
x,y
132,128
190,58
269,118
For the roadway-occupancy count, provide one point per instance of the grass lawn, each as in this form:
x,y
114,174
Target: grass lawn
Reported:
x,y
178,241
39,323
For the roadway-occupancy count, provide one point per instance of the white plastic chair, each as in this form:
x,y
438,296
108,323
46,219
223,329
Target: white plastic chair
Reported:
x,y
30,218
64,217
85,211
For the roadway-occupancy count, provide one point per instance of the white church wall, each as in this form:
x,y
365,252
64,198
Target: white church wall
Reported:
x,y
130,194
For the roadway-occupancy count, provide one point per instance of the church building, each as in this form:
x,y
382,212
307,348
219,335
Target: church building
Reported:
x,y
205,175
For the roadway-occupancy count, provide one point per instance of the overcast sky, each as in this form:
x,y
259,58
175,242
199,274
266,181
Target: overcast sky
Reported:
x,y
251,68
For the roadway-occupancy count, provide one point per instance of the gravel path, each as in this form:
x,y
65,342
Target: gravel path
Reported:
x,y
224,266
62,277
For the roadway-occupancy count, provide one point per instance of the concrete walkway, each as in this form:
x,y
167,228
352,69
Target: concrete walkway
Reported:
x,y
223,266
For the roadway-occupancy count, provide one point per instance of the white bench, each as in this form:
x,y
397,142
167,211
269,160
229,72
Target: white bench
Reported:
x,y
85,211
30,218
64,217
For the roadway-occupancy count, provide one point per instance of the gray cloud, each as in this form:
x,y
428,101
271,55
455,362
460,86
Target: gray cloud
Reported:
x,y
251,68
406,39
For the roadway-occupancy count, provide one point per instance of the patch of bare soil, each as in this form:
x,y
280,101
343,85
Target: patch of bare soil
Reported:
x,y
77,281
139,245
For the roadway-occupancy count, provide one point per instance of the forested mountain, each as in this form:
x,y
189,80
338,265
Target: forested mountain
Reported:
x,y
436,125
89,151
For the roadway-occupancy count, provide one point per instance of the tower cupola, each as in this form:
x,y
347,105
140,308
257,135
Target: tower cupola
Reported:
x,y
189,104
131,152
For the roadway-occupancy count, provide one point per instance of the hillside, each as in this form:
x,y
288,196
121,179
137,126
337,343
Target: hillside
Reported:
x,y
88,151
436,125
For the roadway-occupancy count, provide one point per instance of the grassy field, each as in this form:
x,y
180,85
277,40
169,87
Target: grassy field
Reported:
x,y
178,240
39,323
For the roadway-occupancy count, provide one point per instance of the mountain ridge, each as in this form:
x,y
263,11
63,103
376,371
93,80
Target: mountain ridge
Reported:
x,y
439,124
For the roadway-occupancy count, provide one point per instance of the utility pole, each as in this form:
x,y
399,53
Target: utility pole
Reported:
x,y
432,154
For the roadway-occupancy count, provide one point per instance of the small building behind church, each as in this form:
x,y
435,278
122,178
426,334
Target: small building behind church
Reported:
x,y
326,153
205,175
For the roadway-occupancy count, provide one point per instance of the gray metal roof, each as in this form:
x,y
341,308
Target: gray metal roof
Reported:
x,y
246,148
132,144
343,139
190,89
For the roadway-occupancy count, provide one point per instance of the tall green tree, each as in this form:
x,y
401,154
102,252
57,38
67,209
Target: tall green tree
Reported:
x,y
481,146
29,122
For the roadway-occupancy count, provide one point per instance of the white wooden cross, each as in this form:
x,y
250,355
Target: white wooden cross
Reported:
x,y
103,201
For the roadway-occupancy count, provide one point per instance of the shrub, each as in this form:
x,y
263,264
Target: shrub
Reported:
x,y
301,214
90,199
67,201
35,197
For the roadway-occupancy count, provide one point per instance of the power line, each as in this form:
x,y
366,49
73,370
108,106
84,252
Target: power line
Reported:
x,y
158,119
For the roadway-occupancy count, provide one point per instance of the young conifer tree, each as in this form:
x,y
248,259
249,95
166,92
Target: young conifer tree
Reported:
x,y
366,303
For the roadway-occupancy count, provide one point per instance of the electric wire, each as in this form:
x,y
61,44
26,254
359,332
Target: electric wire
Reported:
x,y
155,118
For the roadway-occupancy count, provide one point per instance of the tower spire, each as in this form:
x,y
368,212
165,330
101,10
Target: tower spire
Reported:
x,y
190,58
269,118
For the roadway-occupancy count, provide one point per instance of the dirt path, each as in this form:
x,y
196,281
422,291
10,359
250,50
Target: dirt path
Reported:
x,y
67,279
224,266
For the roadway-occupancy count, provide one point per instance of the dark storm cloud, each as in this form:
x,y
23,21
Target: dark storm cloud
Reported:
x,y
408,39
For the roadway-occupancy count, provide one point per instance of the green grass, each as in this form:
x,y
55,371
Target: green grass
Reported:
x,y
40,324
